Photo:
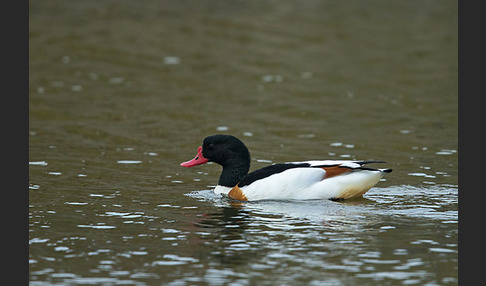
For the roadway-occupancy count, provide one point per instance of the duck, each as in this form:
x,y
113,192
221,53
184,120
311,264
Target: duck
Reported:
x,y
307,180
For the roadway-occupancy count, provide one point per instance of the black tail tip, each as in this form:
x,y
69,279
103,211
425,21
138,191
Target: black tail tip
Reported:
x,y
386,170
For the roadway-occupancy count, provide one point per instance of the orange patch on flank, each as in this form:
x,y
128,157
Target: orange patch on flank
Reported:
x,y
334,171
352,193
237,194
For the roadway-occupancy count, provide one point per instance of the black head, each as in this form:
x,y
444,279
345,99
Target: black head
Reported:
x,y
225,150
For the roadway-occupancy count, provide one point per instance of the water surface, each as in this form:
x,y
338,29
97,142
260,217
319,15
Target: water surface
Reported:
x,y
121,93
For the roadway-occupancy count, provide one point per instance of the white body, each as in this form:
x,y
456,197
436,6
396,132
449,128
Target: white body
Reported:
x,y
307,183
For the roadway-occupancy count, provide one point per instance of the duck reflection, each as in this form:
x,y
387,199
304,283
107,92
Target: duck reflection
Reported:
x,y
239,232
227,241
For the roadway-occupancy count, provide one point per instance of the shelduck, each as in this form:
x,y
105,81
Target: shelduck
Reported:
x,y
308,180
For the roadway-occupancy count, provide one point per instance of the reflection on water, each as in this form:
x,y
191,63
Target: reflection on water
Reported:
x,y
337,237
121,92
399,233
245,241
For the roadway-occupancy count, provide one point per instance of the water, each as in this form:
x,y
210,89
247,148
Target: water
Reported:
x,y
121,93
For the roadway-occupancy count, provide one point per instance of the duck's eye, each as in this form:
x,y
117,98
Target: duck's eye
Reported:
x,y
211,146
